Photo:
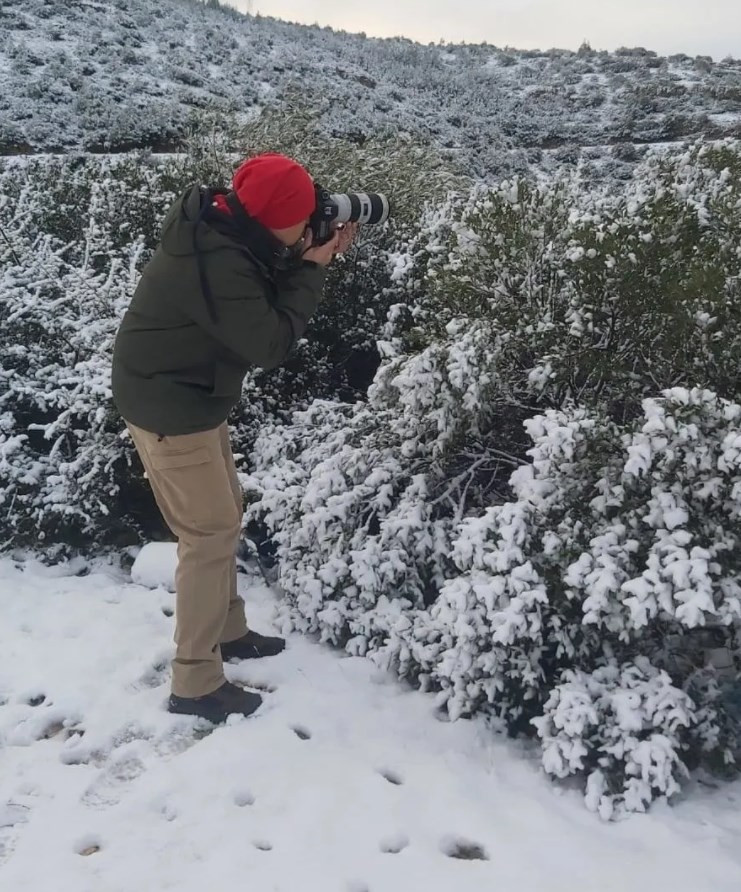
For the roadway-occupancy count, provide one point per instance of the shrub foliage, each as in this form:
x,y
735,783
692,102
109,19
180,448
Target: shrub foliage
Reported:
x,y
505,461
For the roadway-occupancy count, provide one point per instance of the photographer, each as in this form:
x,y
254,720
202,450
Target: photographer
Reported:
x,y
232,284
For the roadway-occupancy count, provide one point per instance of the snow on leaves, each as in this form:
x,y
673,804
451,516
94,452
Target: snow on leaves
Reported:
x,y
615,539
557,573
543,602
624,726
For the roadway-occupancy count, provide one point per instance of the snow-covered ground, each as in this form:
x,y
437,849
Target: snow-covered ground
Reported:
x,y
345,780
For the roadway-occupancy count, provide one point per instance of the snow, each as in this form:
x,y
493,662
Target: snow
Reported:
x,y
155,565
730,118
344,780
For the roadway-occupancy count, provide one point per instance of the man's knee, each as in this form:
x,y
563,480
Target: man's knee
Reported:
x,y
215,536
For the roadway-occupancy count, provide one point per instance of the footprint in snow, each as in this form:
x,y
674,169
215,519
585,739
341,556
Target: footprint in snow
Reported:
x,y
153,677
117,769
109,787
203,729
44,724
168,812
301,732
12,816
88,845
243,798
36,700
391,776
129,733
77,753
392,845
263,845
182,735
63,729
463,849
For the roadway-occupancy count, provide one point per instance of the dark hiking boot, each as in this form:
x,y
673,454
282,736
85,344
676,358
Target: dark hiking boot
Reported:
x,y
215,707
251,646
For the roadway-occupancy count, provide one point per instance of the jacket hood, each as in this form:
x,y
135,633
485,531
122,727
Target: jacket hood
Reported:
x,y
179,226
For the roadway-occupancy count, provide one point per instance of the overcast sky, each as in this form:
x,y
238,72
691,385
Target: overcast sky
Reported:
x,y
707,27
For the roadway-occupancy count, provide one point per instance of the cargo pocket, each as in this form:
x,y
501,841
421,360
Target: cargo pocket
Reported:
x,y
164,461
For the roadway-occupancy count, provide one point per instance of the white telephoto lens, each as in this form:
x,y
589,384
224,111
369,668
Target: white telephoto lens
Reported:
x,y
344,207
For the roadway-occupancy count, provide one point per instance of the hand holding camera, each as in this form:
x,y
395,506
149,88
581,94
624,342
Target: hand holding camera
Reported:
x,y
340,241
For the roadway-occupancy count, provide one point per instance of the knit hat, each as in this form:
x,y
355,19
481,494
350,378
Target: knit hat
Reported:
x,y
275,190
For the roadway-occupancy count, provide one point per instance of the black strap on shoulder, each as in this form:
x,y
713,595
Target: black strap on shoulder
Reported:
x,y
206,199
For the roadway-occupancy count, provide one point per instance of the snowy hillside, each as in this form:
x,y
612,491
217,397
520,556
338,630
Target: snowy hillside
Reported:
x,y
115,75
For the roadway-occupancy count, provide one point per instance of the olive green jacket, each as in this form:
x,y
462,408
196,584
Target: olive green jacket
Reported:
x,y
178,365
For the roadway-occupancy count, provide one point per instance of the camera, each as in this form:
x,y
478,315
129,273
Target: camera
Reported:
x,y
345,207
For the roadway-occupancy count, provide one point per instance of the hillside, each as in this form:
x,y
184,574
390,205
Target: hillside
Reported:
x,y
110,76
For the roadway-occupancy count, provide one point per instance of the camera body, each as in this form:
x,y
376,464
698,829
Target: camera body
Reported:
x,y
333,208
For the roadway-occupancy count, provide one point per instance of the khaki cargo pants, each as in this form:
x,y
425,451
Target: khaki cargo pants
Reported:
x,y
195,484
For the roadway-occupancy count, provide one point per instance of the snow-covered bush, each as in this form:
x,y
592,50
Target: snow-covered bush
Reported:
x,y
619,542
75,235
360,499
117,76
602,295
524,512
625,727
608,558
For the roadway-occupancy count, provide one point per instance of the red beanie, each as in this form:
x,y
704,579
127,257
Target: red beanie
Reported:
x,y
275,190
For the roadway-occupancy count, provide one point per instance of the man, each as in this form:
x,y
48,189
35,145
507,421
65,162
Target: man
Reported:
x,y
232,284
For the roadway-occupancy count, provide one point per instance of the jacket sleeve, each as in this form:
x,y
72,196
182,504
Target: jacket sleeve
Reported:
x,y
257,327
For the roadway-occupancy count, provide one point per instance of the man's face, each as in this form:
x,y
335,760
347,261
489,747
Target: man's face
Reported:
x,y
293,234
